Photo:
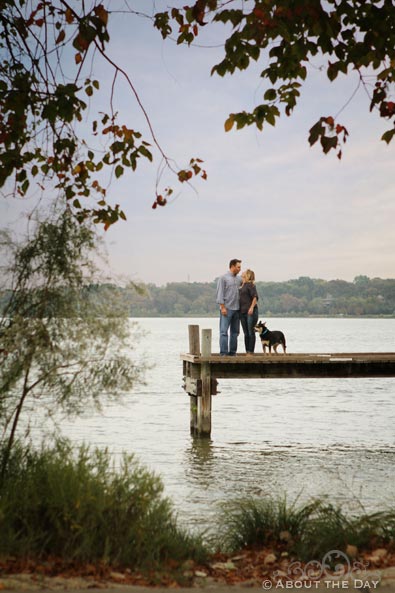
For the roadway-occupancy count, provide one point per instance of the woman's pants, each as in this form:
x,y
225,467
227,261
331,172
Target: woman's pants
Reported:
x,y
248,323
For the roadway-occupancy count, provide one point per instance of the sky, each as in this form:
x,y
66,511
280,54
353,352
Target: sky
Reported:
x,y
282,207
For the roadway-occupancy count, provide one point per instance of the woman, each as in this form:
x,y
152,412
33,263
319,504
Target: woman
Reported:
x,y
248,309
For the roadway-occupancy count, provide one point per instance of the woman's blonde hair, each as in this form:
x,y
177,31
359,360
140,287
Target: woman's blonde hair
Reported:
x,y
249,276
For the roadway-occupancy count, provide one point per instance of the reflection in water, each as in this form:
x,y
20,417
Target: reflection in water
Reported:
x,y
199,462
201,452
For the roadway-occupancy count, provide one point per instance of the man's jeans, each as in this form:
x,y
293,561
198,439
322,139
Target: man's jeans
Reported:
x,y
248,323
230,321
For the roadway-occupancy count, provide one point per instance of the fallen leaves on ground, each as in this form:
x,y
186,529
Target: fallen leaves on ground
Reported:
x,y
250,566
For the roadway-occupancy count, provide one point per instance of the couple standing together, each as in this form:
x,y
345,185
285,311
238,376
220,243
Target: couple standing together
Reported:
x,y
237,298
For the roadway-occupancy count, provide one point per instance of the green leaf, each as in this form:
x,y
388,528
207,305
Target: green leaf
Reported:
x,y
270,118
25,186
328,142
315,132
221,69
143,150
70,193
387,136
332,71
254,51
118,171
270,95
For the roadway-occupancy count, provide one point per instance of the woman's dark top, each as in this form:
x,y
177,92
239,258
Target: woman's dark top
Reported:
x,y
247,293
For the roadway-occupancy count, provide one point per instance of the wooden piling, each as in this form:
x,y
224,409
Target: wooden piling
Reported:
x,y
194,348
204,401
194,342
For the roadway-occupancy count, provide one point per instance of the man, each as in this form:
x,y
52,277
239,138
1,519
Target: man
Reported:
x,y
229,304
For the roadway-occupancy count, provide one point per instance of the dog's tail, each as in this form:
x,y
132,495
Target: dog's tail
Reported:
x,y
284,343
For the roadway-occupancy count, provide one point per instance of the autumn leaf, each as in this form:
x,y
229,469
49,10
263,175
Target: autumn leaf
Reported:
x,y
60,37
229,123
69,16
81,43
101,13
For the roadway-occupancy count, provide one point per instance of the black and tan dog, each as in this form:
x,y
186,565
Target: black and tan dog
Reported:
x,y
270,339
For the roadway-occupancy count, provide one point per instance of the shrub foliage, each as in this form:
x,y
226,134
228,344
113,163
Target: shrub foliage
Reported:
x,y
79,507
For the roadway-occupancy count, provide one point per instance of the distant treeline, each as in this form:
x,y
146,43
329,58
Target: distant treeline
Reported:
x,y
300,297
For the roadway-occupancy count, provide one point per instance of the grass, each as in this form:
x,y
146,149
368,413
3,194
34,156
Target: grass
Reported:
x,y
308,531
75,505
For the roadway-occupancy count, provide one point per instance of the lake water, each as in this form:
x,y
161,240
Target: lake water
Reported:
x,y
302,437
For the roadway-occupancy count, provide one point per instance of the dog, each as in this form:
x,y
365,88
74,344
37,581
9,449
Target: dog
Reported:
x,y
269,338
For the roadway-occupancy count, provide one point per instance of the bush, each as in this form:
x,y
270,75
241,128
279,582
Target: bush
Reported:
x,y
331,529
78,507
257,523
309,531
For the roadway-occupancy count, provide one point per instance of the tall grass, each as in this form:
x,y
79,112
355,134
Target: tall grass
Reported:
x,y
57,502
308,531
75,505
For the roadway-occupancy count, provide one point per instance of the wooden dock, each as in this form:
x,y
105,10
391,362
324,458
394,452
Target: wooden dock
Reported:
x,y
202,369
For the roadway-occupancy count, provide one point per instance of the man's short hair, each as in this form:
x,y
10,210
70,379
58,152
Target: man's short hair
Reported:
x,y
233,262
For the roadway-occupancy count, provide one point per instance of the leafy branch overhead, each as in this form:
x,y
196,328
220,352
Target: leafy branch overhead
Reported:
x,y
44,98
343,35
49,50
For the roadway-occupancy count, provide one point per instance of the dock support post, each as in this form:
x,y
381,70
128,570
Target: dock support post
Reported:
x,y
204,401
194,348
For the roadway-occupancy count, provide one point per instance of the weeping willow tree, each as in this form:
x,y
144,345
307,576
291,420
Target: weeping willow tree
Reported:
x,y
60,349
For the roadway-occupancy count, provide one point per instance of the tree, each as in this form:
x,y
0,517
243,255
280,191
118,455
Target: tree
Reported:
x,y
59,349
347,35
47,49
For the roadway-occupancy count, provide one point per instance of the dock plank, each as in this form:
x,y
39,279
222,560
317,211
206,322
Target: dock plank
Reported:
x,y
298,365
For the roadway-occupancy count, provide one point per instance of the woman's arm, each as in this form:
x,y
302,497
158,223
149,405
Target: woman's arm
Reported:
x,y
254,301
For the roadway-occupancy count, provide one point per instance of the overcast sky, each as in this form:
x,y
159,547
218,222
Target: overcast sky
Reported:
x,y
283,208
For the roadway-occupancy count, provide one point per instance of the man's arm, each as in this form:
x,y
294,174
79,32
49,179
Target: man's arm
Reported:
x,y
221,296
